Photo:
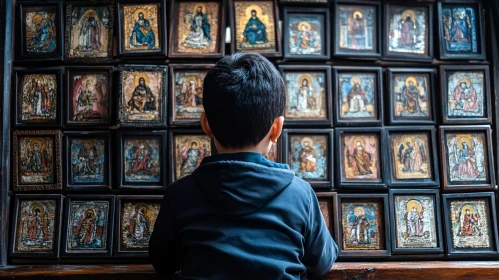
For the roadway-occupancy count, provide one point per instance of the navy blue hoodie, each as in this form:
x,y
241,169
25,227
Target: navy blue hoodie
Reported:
x,y
240,216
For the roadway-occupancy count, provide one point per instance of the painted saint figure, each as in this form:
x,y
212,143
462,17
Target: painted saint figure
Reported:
x,y
470,223
305,40
199,35
415,222
362,160
307,157
40,99
357,29
142,33
142,159
360,227
35,227
45,34
140,226
36,159
356,98
89,38
408,32
88,160
465,97
85,229
466,162
143,99
305,97
410,98
191,158
460,28
192,95
255,31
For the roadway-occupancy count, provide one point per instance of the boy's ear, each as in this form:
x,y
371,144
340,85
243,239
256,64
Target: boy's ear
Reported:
x,y
206,126
276,130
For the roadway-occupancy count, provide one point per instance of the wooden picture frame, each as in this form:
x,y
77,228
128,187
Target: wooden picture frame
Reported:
x,y
352,204
328,202
51,48
175,51
481,203
88,206
77,81
362,113
182,76
400,48
465,83
30,103
191,154
308,2
272,50
350,141
464,172
39,202
402,109
104,17
87,160
298,155
473,10
43,141
418,160
371,49
124,202
318,87
317,21
422,225
144,112
135,170
157,35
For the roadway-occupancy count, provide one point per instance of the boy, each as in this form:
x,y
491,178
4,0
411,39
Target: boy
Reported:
x,y
240,216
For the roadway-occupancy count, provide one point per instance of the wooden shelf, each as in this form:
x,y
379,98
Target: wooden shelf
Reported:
x,y
350,270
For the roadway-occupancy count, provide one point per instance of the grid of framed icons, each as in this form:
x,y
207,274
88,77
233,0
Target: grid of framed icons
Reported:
x,y
400,154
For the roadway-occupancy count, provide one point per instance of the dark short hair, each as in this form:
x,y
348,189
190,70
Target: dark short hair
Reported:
x,y
243,95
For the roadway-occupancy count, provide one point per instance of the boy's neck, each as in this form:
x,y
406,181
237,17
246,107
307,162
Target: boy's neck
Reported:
x,y
261,148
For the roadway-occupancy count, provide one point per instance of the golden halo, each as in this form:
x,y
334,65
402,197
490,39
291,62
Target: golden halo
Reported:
x,y
465,80
359,139
410,13
410,79
37,206
309,27
202,5
34,141
257,8
136,14
462,139
138,76
355,79
360,208
305,77
408,139
357,13
91,211
90,11
37,18
307,139
195,78
193,140
141,206
467,207
414,203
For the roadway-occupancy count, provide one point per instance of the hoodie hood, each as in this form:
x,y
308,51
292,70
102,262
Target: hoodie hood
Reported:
x,y
240,184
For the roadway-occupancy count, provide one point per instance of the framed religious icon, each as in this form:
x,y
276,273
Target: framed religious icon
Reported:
x,y
412,95
308,95
363,226
88,226
142,158
187,150
186,100
142,91
360,162
413,160
408,31
197,29
306,34
89,31
36,226
461,30
255,27
88,96
327,203
142,28
467,157
87,160
37,97
415,222
39,30
37,160
470,223
358,96
357,31
136,216
465,91
309,153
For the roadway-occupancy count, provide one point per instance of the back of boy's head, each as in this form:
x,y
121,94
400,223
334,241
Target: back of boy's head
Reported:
x,y
242,96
